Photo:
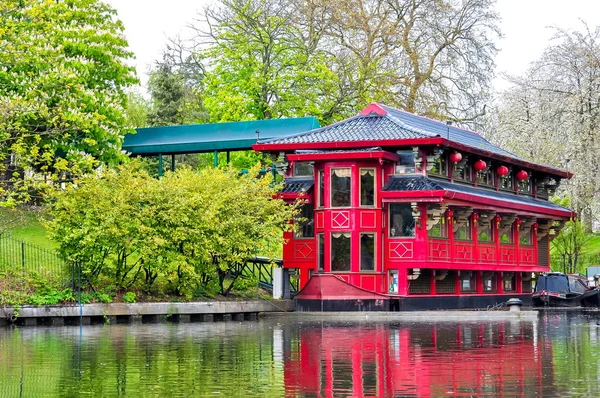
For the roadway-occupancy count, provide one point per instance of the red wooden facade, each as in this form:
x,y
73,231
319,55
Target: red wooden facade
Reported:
x,y
402,206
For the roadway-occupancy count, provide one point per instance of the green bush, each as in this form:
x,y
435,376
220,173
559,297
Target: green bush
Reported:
x,y
129,297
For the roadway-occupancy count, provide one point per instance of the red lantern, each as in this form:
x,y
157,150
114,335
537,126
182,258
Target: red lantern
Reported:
x,y
480,165
449,213
502,171
522,175
455,157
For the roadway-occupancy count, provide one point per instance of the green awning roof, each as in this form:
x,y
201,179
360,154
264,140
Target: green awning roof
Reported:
x,y
196,138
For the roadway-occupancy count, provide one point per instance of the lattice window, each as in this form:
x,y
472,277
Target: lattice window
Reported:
x,y
446,285
421,285
543,252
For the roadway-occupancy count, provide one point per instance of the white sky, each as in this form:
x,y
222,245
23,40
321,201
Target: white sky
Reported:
x,y
149,23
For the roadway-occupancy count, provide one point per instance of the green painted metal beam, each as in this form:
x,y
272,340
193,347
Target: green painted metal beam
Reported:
x,y
199,138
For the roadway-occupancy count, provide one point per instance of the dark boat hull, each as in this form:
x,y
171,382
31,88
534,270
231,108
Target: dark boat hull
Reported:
x,y
587,299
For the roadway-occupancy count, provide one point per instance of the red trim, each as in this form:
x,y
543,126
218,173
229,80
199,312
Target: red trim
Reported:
x,y
344,156
293,196
347,144
373,107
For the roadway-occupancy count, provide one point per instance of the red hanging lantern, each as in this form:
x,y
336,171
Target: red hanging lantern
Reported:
x,y
455,157
480,165
502,171
522,175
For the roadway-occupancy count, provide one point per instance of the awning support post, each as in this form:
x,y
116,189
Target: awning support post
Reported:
x,y
160,165
216,159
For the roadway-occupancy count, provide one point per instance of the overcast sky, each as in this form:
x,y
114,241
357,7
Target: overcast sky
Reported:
x,y
525,24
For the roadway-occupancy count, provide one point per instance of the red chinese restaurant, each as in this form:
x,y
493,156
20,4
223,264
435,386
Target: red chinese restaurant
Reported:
x,y
402,212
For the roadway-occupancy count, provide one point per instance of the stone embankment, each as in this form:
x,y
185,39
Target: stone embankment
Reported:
x,y
118,313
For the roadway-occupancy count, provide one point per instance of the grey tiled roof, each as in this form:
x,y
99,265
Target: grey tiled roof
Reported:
x,y
422,183
357,128
452,133
297,185
411,183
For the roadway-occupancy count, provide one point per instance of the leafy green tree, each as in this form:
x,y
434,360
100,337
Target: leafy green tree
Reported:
x,y
178,233
63,73
258,65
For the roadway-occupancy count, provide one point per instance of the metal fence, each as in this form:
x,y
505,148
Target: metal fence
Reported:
x,y
16,255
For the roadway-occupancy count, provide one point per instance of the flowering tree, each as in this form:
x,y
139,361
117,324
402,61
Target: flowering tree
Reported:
x,y
62,81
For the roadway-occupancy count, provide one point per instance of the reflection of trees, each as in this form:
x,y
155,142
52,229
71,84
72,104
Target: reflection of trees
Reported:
x,y
161,361
575,350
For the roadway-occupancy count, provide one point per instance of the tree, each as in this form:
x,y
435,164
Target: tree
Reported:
x,y
552,114
62,78
186,230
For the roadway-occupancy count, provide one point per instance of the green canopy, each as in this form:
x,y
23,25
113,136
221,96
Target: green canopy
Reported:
x,y
197,138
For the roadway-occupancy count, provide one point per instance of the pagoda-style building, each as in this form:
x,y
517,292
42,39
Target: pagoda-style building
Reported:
x,y
403,212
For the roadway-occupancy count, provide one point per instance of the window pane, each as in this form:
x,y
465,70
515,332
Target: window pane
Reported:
x,y
506,238
439,230
526,239
321,238
406,163
489,281
340,187
485,231
307,227
464,231
321,188
509,282
340,251
525,186
304,169
468,281
367,252
367,187
486,177
440,166
402,222
506,182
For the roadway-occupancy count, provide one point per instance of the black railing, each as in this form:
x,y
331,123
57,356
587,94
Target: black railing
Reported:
x,y
16,255
261,269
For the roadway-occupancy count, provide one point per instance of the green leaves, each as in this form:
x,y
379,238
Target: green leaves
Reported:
x,y
178,233
62,78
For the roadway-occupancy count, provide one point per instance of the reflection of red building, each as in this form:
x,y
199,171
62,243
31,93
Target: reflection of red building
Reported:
x,y
405,212
380,361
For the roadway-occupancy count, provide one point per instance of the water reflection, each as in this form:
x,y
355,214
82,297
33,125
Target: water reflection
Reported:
x,y
557,355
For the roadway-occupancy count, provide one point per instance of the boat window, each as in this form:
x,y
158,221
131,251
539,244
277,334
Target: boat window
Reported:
x,y
525,186
340,187
576,286
305,169
367,187
506,182
340,251
438,230
463,232
307,223
485,231
489,281
440,167
552,283
367,252
406,163
527,239
468,281
509,282
321,191
486,177
321,250
402,222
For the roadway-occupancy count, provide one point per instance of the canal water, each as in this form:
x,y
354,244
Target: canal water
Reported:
x,y
557,355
